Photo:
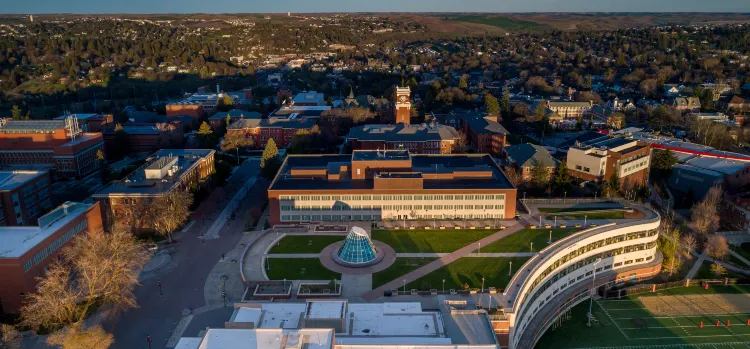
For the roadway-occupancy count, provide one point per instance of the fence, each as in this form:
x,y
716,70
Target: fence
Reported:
x,y
650,288
577,201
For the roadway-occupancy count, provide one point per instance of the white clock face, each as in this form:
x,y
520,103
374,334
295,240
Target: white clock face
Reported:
x,y
403,98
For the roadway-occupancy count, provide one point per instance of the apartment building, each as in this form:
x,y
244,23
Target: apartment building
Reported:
x,y
602,158
165,171
27,252
59,144
390,185
281,125
484,133
24,196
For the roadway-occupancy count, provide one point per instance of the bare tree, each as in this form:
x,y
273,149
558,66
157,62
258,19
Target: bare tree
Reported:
x,y
9,337
704,216
718,269
76,337
171,211
688,243
235,141
514,176
461,142
96,269
716,247
616,120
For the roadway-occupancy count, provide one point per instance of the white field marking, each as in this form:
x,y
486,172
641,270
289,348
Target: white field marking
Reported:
x,y
687,316
692,326
613,321
680,346
709,336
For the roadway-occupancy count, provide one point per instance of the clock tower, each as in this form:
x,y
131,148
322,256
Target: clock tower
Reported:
x,y
403,105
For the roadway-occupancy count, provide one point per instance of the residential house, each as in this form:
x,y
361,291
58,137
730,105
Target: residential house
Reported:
x,y
525,157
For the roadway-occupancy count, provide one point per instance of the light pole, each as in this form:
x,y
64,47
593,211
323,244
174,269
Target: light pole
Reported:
x,y
593,280
555,221
443,285
584,220
510,268
550,237
479,250
565,196
531,248
160,285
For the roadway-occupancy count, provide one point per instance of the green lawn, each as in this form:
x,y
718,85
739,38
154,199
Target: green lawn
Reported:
x,y
593,215
614,328
731,259
292,269
705,273
499,21
469,270
430,240
304,243
740,251
520,241
402,266
566,209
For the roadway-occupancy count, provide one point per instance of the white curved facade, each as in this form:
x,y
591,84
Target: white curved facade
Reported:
x,y
570,262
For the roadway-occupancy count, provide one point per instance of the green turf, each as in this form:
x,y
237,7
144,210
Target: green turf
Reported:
x,y
731,259
520,241
593,215
304,243
740,251
430,240
469,270
567,209
291,269
704,272
402,266
614,326
498,21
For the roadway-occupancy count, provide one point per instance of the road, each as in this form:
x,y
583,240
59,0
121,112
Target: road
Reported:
x,y
184,279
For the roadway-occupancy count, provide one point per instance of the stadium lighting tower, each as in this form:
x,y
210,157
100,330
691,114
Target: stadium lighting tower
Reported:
x,y
593,280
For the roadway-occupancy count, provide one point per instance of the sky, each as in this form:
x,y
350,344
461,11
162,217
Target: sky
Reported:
x,y
308,6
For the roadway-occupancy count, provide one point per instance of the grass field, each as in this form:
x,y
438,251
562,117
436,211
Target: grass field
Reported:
x,y
402,266
500,22
430,240
304,243
668,319
298,269
593,215
520,241
704,272
469,270
740,251
567,209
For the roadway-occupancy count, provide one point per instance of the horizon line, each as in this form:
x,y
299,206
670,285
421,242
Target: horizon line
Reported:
x,y
369,12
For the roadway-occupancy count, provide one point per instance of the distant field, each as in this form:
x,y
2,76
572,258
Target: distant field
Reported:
x,y
500,22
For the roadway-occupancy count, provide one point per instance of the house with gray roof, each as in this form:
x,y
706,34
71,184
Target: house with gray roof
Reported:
x,y
430,138
524,157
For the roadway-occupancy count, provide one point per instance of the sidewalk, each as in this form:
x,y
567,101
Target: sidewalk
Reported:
x,y
442,261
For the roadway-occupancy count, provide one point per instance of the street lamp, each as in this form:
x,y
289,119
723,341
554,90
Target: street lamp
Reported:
x,y
550,237
510,268
160,285
531,248
479,251
483,284
593,280
443,285
584,220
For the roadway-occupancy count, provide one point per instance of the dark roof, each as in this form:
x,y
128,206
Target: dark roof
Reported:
x,y
528,155
403,133
420,164
303,123
32,126
236,113
484,124
299,111
583,138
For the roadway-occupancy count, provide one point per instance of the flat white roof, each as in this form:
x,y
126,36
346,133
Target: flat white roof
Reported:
x,y
280,315
361,341
394,319
248,315
724,166
264,338
189,343
325,310
16,241
406,346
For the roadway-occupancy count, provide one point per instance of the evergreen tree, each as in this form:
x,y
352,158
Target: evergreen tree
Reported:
x,y
270,160
562,178
493,107
16,113
539,175
205,136
506,102
662,162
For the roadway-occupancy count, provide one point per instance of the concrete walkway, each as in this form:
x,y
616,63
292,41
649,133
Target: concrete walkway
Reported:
x,y
694,270
231,206
442,261
415,255
736,255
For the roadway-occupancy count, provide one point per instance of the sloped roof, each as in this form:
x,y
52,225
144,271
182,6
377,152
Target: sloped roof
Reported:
x,y
403,133
528,155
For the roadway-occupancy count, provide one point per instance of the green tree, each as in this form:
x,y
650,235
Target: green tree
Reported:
x,y
539,175
668,243
662,162
612,186
506,101
540,112
463,83
562,179
16,113
587,84
493,107
270,160
225,103
205,136
103,166
235,141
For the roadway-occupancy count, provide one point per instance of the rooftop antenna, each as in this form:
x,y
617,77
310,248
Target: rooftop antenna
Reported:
x,y
71,124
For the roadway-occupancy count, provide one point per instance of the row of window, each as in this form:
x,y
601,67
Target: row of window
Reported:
x,y
366,217
345,207
389,197
52,247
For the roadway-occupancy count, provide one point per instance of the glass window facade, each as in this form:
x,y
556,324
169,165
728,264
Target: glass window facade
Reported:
x,y
357,248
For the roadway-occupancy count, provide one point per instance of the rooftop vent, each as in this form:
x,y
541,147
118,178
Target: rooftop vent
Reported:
x,y
161,167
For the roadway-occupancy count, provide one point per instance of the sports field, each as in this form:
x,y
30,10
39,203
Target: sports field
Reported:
x,y
670,319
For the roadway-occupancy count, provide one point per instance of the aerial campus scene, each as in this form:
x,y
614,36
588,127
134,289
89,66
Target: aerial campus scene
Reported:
x,y
375,175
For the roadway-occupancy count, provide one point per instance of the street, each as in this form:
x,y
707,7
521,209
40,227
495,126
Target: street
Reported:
x,y
184,278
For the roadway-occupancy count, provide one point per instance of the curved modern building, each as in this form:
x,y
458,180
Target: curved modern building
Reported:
x,y
561,275
357,250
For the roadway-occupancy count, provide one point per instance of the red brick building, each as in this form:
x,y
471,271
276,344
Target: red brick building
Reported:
x,y
193,109
371,186
600,159
24,196
281,125
484,134
50,142
91,122
165,171
146,137
417,139
27,252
